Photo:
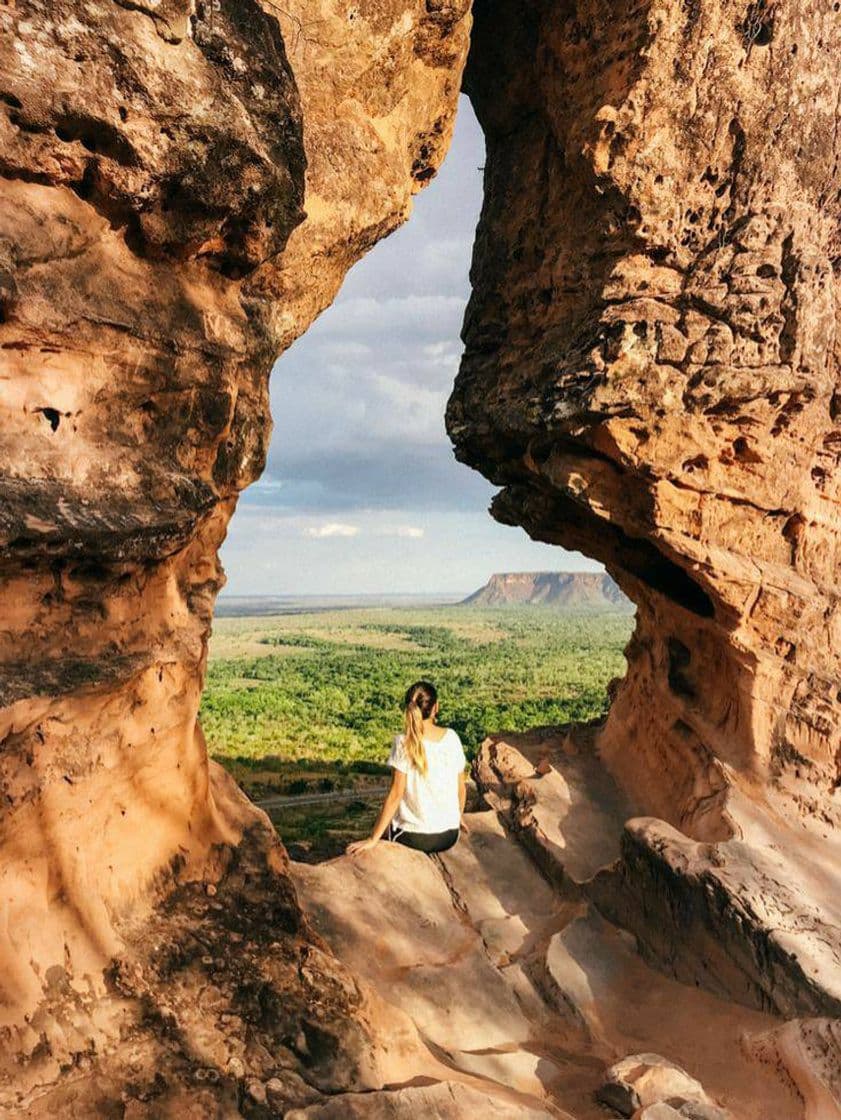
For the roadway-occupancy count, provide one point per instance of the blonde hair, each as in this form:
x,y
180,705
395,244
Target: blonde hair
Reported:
x,y
418,705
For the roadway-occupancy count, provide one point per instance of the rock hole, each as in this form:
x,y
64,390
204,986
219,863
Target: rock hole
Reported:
x,y
52,416
679,658
320,1045
766,271
744,452
697,463
757,27
784,648
791,532
675,584
85,188
12,101
97,137
644,561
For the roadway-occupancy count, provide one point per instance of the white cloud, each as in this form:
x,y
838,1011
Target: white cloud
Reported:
x,y
360,460
331,529
375,561
410,532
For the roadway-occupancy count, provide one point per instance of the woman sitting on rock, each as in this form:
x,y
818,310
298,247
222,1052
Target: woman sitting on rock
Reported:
x,y
424,805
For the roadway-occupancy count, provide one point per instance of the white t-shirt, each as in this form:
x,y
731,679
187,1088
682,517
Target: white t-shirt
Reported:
x,y
430,803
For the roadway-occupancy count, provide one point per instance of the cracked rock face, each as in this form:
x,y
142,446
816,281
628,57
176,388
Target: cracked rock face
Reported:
x,y
184,186
651,367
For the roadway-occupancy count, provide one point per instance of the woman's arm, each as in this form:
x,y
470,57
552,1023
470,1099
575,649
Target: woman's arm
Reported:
x,y
462,791
392,800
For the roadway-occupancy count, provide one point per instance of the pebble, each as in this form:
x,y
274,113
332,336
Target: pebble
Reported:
x,y
257,1091
236,1067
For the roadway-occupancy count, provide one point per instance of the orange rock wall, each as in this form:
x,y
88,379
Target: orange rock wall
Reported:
x,y
184,187
651,370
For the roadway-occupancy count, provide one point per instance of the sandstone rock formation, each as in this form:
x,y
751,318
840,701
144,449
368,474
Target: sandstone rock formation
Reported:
x,y
184,187
651,366
651,375
517,981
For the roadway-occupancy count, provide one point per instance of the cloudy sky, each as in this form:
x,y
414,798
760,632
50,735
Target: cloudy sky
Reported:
x,y
362,493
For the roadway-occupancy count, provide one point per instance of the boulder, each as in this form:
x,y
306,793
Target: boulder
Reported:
x,y
646,1079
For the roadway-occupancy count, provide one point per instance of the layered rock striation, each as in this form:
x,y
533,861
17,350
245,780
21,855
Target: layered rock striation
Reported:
x,y
184,187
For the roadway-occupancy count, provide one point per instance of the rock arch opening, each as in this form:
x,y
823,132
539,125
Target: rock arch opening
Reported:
x,y
362,509
655,283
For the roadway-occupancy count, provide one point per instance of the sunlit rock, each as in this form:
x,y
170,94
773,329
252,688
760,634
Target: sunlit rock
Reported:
x,y
184,188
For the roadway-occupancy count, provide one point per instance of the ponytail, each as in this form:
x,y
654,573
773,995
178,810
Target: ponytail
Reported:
x,y
418,705
413,737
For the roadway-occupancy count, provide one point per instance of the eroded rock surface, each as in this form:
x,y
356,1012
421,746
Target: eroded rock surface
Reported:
x,y
184,186
752,923
651,375
519,984
651,368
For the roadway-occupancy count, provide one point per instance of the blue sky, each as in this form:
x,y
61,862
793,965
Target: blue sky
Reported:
x,y
362,493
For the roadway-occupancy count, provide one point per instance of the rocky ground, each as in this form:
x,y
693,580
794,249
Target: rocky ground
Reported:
x,y
501,957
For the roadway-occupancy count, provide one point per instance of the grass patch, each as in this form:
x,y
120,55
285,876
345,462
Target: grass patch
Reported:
x,y
327,687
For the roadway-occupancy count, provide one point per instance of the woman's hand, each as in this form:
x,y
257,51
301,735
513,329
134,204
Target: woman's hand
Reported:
x,y
398,788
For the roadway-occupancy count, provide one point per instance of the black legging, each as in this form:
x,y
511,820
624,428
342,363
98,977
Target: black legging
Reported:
x,y
427,841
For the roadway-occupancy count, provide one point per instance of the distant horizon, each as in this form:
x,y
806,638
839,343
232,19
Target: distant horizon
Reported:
x,y
439,593
295,595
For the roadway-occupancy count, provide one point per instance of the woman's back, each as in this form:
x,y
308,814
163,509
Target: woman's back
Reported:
x,y
426,799
430,802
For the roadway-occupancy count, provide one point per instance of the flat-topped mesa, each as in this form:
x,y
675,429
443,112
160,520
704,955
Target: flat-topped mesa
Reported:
x,y
572,590
651,368
184,187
